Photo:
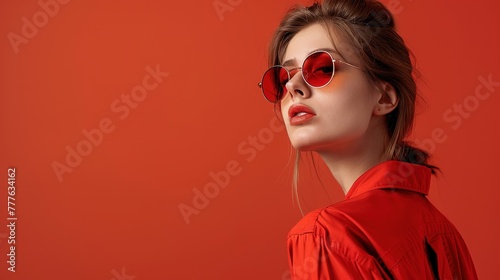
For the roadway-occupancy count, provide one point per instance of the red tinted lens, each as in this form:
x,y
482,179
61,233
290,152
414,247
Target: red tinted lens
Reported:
x,y
318,69
273,83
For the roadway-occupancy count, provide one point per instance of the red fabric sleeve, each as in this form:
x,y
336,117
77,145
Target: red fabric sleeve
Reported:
x,y
311,258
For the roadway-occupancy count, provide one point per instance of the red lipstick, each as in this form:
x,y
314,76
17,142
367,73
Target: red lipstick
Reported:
x,y
299,114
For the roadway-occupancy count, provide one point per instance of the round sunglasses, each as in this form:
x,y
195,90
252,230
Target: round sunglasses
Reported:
x,y
317,71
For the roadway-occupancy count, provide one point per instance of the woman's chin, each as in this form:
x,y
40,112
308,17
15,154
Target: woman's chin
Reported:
x,y
305,146
322,147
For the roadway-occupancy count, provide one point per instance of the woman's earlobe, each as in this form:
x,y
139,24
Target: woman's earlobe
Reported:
x,y
388,99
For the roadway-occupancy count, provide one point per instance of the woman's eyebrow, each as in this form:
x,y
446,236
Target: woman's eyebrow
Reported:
x,y
327,50
290,62
293,61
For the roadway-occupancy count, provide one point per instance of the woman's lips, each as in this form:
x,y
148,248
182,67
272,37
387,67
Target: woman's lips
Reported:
x,y
299,114
300,119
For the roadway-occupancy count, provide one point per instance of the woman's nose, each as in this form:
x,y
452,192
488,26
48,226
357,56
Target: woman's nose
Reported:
x,y
297,87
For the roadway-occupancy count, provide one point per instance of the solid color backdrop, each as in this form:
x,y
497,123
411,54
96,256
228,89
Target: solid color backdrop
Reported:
x,y
118,115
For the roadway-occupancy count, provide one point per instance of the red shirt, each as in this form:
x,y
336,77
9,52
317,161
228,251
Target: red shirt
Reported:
x,y
385,228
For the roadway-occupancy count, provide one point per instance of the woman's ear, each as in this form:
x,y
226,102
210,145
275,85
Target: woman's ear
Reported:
x,y
387,99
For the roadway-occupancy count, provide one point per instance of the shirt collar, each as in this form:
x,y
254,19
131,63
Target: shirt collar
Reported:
x,y
393,174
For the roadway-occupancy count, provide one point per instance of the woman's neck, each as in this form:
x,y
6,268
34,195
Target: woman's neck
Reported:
x,y
354,159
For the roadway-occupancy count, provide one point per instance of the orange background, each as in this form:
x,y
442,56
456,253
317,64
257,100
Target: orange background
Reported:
x,y
117,213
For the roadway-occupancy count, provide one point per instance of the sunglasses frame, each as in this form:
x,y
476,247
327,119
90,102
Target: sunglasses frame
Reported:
x,y
302,72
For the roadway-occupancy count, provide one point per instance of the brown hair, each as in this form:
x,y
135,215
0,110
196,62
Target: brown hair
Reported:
x,y
368,28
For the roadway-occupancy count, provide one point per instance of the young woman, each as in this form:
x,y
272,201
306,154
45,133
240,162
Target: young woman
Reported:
x,y
343,81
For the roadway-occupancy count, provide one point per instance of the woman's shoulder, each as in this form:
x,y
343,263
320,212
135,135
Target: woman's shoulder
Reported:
x,y
334,218
366,214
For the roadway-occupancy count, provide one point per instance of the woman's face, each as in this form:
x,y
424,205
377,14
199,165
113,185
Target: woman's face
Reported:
x,y
342,110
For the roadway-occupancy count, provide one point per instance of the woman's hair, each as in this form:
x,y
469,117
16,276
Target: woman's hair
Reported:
x,y
367,28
